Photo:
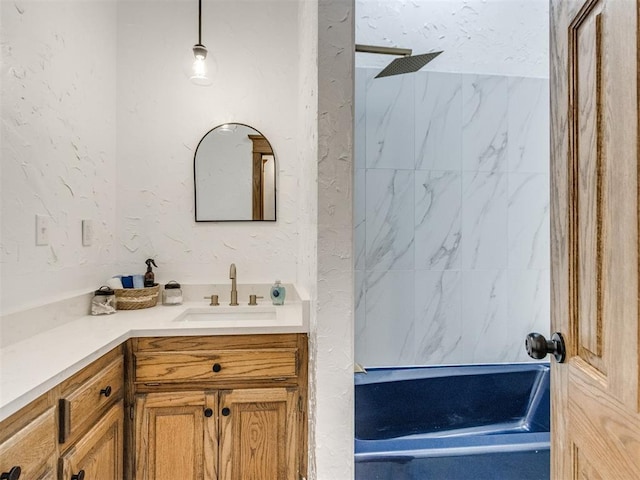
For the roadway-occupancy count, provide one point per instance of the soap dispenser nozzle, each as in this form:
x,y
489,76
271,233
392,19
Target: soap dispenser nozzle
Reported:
x,y
150,261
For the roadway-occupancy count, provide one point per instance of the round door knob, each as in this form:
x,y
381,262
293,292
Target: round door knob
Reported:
x,y
106,391
208,412
217,367
13,474
78,476
539,347
226,412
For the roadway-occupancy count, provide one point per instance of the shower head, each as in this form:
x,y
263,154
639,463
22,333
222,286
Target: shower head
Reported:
x,y
407,64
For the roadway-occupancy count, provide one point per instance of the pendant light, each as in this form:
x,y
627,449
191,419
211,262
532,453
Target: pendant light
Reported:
x,y
199,73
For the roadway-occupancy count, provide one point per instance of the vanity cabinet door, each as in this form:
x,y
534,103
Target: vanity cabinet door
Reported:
x,y
259,434
98,454
176,436
30,450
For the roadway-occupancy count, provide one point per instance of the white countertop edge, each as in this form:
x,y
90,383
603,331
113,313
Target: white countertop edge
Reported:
x,y
30,368
42,386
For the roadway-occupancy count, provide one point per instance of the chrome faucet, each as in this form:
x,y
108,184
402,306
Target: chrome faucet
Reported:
x,y
234,290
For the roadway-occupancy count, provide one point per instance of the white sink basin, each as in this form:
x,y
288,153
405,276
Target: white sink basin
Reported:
x,y
239,313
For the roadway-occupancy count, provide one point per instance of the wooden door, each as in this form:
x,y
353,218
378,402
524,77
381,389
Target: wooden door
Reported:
x,y
258,434
176,436
595,244
99,453
261,147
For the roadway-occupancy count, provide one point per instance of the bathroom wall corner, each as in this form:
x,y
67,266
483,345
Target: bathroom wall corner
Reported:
x,y
333,326
307,265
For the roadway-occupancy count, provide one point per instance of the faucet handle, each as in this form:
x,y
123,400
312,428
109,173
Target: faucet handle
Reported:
x,y
253,298
214,300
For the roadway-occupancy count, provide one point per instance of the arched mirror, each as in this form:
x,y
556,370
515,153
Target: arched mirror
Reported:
x,y
235,175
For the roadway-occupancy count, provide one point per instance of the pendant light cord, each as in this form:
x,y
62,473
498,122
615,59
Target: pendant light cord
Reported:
x,y
199,22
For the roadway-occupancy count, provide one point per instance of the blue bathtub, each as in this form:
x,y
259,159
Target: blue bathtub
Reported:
x,y
453,423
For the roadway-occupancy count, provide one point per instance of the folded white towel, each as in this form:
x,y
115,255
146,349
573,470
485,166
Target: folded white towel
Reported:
x,y
115,283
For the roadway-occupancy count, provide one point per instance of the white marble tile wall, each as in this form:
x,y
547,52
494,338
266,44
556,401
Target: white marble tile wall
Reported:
x,y
389,122
389,223
451,217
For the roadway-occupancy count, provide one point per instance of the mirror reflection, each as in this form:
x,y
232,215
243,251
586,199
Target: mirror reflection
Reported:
x,y
235,175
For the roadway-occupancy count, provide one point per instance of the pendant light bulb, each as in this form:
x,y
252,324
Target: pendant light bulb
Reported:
x,y
199,74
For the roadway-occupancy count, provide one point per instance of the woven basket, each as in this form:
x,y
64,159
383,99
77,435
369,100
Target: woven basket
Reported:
x,y
137,298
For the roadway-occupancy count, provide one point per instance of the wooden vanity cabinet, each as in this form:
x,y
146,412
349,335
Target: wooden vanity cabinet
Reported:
x,y
201,408
220,408
77,426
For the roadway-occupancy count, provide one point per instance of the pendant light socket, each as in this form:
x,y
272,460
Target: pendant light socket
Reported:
x,y
199,51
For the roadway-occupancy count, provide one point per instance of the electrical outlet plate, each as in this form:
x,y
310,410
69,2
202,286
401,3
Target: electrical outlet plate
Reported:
x,y
87,233
42,230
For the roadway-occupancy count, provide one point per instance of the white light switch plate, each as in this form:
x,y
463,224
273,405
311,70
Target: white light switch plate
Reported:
x,y
42,230
87,232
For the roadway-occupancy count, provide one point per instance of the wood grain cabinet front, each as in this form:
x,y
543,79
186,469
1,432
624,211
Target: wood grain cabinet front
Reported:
x,y
31,451
220,408
259,434
177,435
197,408
72,432
83,405
217,360
98,455
215,365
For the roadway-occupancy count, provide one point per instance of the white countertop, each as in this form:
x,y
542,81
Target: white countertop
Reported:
x,y
31,367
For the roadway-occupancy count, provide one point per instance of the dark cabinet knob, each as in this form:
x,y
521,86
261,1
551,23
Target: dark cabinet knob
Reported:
x,y
13,474
539,347
217,367
106,391
226,412
208,412
78,476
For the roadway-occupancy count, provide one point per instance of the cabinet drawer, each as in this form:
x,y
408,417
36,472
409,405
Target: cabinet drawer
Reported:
x,y
32,448
84,405
236,364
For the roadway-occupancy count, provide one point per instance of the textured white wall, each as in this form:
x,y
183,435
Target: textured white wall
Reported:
x,y
502,37
308,200
76,76
161,118
334,323
58,147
